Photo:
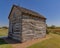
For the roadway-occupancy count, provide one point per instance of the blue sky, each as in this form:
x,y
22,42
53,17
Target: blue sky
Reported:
x,y
48,8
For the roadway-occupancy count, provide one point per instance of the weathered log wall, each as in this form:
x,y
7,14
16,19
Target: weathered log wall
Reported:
x,y
33,28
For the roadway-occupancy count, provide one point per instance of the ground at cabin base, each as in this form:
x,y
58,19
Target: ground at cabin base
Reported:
x,y
28,43
52,41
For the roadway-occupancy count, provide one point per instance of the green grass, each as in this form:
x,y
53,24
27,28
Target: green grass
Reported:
x,y
3,32
3,44
53,42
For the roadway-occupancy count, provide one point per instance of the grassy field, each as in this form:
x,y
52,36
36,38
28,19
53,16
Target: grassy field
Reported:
x,y
3,44
3,32
55,31
53,42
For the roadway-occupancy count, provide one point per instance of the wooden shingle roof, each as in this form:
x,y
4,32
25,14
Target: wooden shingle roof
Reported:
x,y
27,11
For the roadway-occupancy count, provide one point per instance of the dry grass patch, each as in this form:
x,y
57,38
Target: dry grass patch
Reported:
x,y
3,32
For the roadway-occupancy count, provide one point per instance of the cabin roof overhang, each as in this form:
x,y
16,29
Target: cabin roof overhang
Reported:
x,y
27,11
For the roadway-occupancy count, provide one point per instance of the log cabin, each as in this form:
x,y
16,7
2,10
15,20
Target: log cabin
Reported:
x,y
25,24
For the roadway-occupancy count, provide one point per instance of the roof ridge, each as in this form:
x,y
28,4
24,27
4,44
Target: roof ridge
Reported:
x,y
25,10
